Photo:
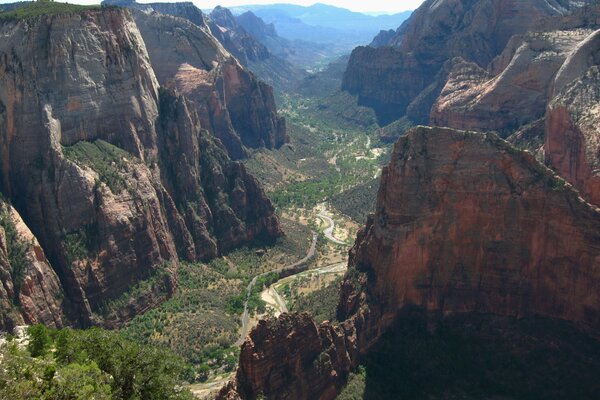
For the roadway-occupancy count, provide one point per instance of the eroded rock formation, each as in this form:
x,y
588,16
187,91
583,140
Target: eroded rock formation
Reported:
x,y
573,119
30,291
117,179
389,78
465,224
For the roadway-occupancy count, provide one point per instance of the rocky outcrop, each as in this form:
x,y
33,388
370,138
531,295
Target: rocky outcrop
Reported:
x,y
573,118
251,41
383,38
442,187
307,360
198,175
113,201
30,291
389,78
232,104
256,26
224,26
183,9
465,224
513,91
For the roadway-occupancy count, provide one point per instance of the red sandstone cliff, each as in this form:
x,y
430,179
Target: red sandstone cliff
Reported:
x,y
30,291
465,223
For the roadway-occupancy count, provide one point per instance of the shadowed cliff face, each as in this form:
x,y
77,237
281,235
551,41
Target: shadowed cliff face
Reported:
x,y
389,78
116,181
465,225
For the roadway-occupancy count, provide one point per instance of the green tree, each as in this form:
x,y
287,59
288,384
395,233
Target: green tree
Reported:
x,y
80,382
39,340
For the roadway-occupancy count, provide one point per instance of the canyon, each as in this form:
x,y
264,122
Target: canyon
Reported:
x,y
160,164
445,193
468,228
118,201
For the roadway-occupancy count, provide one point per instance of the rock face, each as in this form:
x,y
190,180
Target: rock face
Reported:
x,y
542,91
30,291
232,104
457,254
513,91
389,78
250,40
224,26
256,26
186,56
114,201
465,224
573,119
309,359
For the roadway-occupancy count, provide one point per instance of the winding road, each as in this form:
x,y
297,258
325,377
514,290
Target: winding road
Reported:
x,y
328,232
246,315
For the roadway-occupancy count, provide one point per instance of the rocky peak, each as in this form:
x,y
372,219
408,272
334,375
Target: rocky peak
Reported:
x,y
256,26
223,17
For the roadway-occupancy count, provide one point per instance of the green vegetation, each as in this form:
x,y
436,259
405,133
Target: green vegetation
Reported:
x,y
321,303
255,303
93,364
42,7
108,161
194,323
357,202
355,388
201,321
17,248
79,244
155,283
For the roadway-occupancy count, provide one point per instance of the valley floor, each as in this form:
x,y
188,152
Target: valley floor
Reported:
x,y
219,302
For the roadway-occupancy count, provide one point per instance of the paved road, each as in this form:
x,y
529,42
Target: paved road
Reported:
x,y
246,315
329,230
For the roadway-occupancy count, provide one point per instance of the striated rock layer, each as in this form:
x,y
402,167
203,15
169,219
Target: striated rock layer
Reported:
x,y
30,291
465,224
572,137
389,78
513,91
232,104
114,200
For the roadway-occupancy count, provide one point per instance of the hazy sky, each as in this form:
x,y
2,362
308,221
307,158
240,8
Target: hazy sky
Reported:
x,y
370,5
390,6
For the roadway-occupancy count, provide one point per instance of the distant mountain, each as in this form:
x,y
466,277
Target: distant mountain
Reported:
x,y
252,49
323,23
300,53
